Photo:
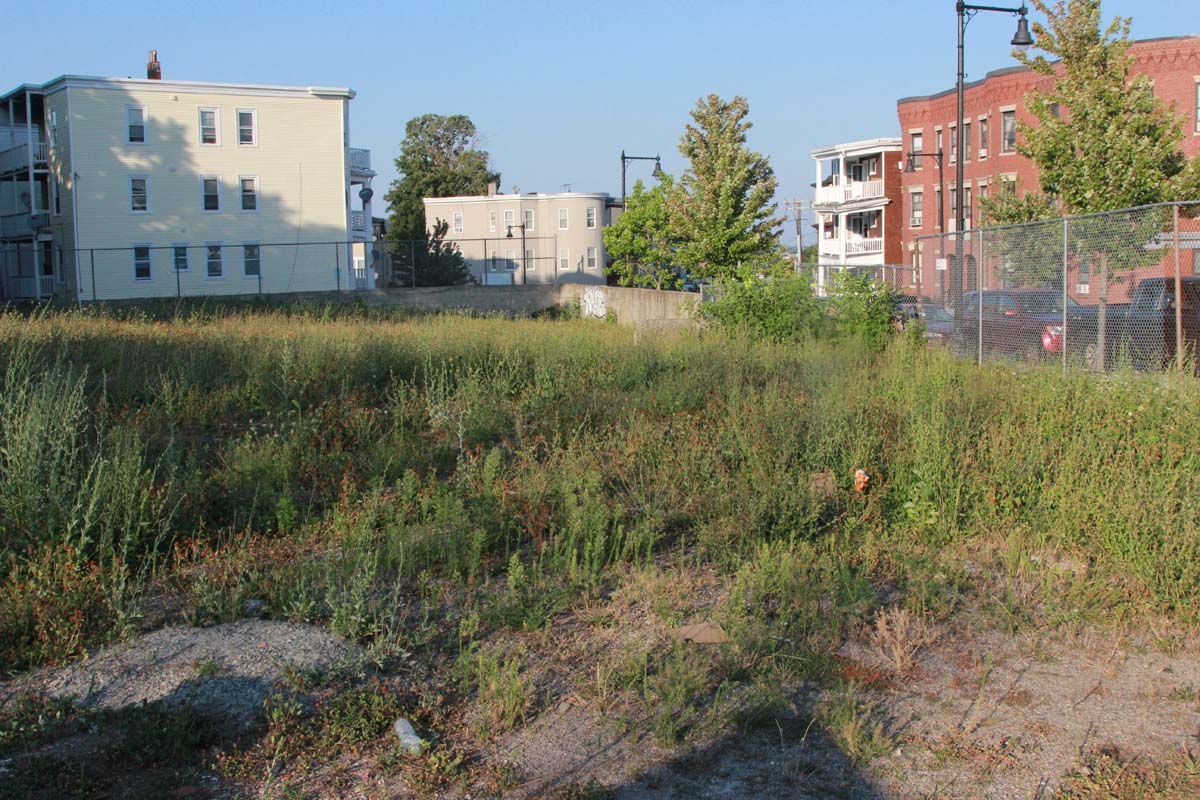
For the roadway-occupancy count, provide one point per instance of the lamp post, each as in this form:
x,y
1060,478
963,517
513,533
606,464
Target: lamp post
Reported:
x,y
1021,40
657,173
910,166
524,252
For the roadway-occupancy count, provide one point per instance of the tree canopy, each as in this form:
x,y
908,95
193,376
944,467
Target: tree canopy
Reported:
x,y
643,241
438,158
432,261
725,214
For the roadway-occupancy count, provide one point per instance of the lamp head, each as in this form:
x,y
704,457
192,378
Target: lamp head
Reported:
x,y
509,235
657,173
909,164
1022,39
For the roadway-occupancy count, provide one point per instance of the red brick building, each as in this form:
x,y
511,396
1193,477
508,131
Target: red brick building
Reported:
x,y
991,109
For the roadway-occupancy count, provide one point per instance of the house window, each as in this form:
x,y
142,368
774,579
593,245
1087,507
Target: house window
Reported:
x,y
139,195
562,219
494,261
1196,262
983,138
141,263
967,204
1008,132
510,260
872,167
57,189
1197,106
937,136
251,260
967,141
214,266
590,221
54,128
249,189
591,258
210,190
1055,110
529,219
917,216
179,254
954,202
1008,184
135,119
492,221
457,217
564,259
247,126
210,126
530,259
510,218
917,145
953,142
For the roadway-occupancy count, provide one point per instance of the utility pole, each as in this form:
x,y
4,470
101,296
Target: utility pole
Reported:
x,y
797,207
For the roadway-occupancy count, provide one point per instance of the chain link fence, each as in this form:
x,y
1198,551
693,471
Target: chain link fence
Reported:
x,y
1110,290
44,270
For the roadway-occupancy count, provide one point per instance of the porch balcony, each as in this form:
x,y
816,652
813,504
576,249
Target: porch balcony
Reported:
x,y
25,224
848,191
360,162
16,159
850,247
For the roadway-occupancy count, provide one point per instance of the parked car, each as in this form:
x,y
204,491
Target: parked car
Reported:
x,y
1141,332
939,325
1015,322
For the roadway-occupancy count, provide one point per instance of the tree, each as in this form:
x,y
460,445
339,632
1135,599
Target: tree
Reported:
x,y
643,241
725,213
1102,140
438,158
437,262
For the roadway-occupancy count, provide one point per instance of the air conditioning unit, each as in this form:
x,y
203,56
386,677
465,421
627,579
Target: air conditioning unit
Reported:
x,y
983,152
1082,288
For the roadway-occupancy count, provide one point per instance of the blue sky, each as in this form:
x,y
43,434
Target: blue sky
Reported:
x,y
557,89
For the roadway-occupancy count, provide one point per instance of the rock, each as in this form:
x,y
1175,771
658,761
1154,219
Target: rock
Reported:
x,y
702,633
409,741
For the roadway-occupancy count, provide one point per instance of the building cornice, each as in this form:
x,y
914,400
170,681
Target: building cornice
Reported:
x,y
510,198
188,87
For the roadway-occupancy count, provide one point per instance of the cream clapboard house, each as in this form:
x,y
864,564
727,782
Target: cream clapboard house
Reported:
x,y
119,188
555,238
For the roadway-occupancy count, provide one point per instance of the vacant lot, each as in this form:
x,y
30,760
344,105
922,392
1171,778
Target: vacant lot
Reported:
x,y
495,529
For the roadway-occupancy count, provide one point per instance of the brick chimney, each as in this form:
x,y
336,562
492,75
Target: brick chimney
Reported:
x,y
153,68
491,189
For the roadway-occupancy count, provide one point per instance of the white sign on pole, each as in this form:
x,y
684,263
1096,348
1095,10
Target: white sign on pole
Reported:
x,y
941,264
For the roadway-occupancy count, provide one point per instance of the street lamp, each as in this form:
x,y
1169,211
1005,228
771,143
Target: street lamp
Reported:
x,y
1021,40
524,252
657,173
910,166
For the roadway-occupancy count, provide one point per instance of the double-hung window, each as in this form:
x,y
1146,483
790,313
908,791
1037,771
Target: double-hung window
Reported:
x,y
563,219
564,258
135,120
529,217
590,219
591,258
510,260
510,219
492,221
917,145
1008,131
210,126
457,218
248,186
179,255
211,193
917,214
1197,108
139,195
247,126
141,262
214,267
251,259
530,259
967,141
983,138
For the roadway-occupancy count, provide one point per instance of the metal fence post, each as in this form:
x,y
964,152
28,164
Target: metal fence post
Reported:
x,y
93,256
178,284
1178,291
1064,297
337,265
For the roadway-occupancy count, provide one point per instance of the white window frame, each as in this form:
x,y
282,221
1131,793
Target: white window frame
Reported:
x,y
220,185
589,220
529,220
530,258
564,258
984,126
246,274
510,260
52,134
915,220
149,261
187,261
872,167
148,207
1004,112
913,136
216,122
253,112
593,257
492,220
564,219
456,221
242,194
510,218
220,261
129,123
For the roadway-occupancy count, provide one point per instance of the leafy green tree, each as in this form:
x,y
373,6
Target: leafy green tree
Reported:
x,y
438,158
437,262
643,241
725,213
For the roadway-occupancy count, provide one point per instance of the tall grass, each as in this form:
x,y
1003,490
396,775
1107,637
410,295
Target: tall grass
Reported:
x,y
374,472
